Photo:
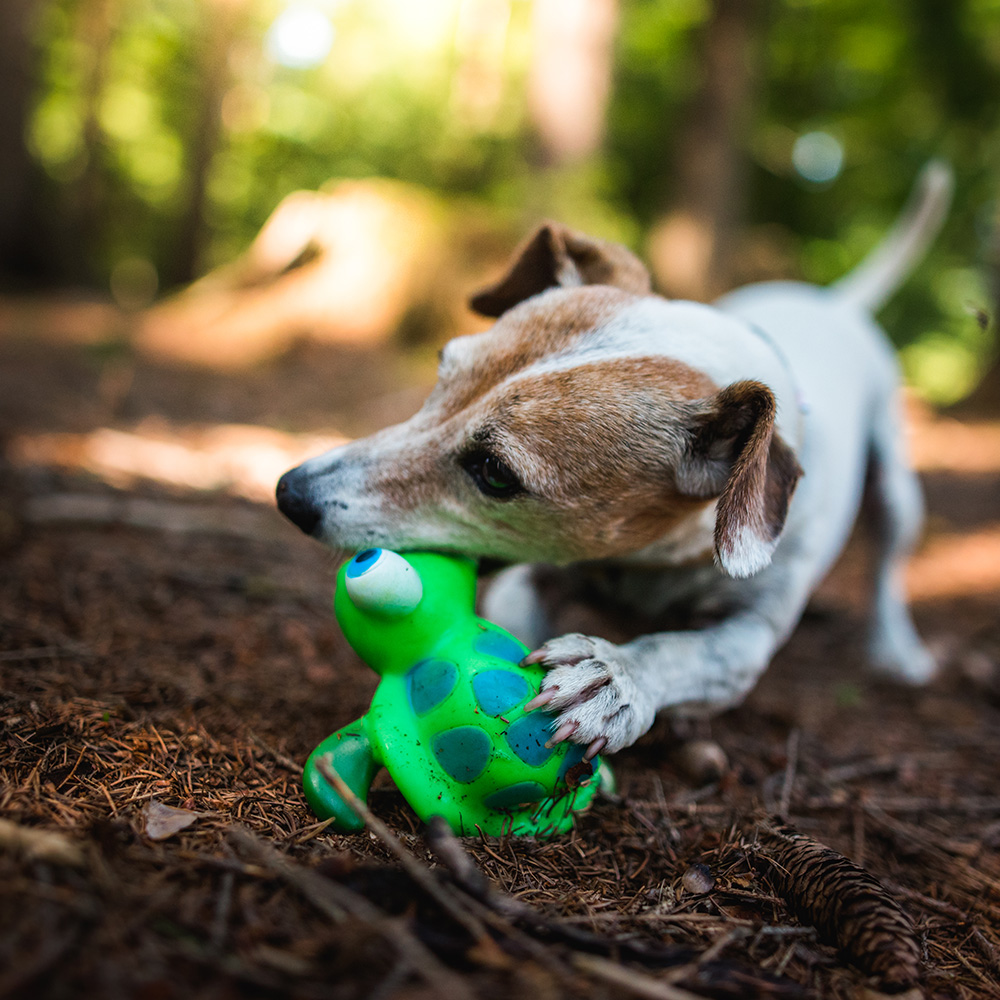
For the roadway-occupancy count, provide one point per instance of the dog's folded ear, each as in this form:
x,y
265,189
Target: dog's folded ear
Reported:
x,y
556,256
734,453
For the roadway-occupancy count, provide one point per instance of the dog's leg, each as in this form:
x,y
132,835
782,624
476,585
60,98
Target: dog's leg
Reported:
x,y
512,602
606,696
894,505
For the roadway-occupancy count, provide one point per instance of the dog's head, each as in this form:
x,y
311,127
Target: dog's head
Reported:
x,y
561,434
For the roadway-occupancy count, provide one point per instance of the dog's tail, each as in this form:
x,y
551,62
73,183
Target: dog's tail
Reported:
x,y
874,280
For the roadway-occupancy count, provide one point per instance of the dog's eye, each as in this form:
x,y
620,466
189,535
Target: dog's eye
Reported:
x,y
493,477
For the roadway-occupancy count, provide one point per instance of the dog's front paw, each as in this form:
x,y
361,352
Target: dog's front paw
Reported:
x,y
590,690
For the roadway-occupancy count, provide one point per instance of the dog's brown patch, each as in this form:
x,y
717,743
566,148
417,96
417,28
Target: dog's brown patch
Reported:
x,y
523,336
598,444
595,445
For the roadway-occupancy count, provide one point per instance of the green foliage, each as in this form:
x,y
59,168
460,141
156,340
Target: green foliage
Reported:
x,y
411,91
897,83
655,73
381,104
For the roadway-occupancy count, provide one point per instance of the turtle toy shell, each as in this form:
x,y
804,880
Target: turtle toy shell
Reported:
x,y
447,719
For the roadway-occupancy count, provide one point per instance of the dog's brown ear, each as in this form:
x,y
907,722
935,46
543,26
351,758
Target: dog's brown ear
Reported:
x,y
733,453
557,256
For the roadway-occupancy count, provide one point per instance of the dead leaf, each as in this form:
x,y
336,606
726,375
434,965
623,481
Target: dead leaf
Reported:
x,y
164,821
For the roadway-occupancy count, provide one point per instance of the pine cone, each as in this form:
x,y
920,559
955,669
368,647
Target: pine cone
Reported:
x,y
848,907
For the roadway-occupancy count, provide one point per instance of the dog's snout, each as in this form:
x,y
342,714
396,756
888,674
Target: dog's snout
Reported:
x,y
294,504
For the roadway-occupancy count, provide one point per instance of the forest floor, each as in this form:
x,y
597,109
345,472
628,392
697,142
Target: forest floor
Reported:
x,y
166,640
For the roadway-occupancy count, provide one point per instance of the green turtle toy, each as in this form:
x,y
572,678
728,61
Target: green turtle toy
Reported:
x,y
447,719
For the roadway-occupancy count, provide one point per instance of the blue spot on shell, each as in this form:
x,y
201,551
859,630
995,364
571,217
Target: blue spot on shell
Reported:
x,y
429,683
499,645
499,690
463,752
515,795
527,738
574,754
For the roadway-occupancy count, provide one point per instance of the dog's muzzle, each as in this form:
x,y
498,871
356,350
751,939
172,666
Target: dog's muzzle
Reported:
x,y
294,504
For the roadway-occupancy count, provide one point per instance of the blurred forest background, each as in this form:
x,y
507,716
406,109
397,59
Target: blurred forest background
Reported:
x,y
233,233
145,143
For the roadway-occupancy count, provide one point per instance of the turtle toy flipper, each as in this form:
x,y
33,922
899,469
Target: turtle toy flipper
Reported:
x,y
447,719
350,752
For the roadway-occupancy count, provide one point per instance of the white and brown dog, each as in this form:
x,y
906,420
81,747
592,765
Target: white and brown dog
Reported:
x,y
650,455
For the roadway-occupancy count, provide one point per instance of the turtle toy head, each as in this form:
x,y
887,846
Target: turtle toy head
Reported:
x,y
395,609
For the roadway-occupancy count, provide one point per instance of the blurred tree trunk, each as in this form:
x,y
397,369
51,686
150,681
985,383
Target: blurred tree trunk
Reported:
x,y
19,253
95,30
570,77
693,248
221,19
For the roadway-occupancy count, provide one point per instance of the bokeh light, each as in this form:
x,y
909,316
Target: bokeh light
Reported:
x,y
818,157
300,37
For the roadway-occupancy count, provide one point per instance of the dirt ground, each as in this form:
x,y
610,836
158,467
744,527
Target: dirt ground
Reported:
x,y
166,640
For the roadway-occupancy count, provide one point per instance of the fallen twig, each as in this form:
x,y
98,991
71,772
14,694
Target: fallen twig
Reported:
x,y
281,758
969,805
637,983
233,521
690,968
462,868
418,872
792,754
338,903
986,949
36,844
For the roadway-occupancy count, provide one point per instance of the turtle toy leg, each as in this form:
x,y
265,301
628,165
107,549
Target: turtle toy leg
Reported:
x,y
350,753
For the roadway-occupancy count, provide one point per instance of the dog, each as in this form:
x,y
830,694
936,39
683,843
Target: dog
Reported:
x,y
645,456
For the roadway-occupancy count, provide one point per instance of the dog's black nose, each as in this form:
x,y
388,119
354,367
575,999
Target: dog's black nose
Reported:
x,y
297,508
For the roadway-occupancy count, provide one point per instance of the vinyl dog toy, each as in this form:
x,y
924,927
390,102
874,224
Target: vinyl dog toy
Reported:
x,y
447,719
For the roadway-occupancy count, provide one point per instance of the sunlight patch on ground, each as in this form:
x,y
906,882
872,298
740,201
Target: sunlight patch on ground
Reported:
x,y
241,459
65,319
940,444
952,565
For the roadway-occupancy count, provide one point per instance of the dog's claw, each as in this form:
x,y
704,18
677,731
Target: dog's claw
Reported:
x,y
564,732
590,690
542,698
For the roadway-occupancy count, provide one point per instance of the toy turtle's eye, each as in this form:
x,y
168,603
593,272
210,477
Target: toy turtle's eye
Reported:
x,y
492,476
383,582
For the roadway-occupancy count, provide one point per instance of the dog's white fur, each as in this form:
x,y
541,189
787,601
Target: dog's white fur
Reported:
x,y
648,437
